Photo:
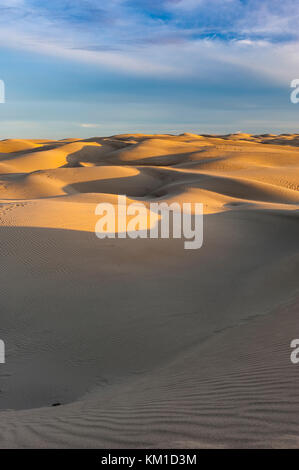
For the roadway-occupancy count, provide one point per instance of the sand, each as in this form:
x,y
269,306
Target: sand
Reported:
x,y
140,342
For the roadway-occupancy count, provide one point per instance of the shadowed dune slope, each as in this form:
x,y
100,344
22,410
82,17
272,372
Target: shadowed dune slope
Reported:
x,y
143,343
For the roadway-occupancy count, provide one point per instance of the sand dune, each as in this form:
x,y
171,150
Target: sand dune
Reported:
x,y
143,343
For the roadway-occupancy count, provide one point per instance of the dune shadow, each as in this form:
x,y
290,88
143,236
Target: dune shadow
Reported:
x,y
131,186
79,313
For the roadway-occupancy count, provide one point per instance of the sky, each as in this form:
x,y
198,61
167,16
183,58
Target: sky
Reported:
x,y
80,68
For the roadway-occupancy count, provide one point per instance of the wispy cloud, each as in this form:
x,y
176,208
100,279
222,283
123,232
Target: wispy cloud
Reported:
x,y
165,37
89,125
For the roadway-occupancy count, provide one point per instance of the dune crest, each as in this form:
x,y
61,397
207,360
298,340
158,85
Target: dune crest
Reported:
x,y
143,343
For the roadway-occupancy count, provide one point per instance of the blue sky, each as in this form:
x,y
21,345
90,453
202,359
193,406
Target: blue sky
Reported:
x,y
87,67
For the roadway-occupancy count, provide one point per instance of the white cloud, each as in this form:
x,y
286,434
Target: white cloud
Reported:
x,y
89,125
128,40
186,5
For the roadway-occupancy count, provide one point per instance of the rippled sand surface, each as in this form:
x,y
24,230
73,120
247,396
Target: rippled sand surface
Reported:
x,y
140,342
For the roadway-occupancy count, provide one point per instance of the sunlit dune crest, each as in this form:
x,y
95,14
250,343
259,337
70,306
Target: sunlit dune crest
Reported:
x,y
222,172
143,343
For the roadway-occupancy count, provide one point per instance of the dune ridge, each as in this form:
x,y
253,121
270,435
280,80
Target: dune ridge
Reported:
x,y
143,343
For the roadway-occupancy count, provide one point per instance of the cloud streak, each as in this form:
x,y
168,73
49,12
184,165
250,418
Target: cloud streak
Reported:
x,y
169,38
